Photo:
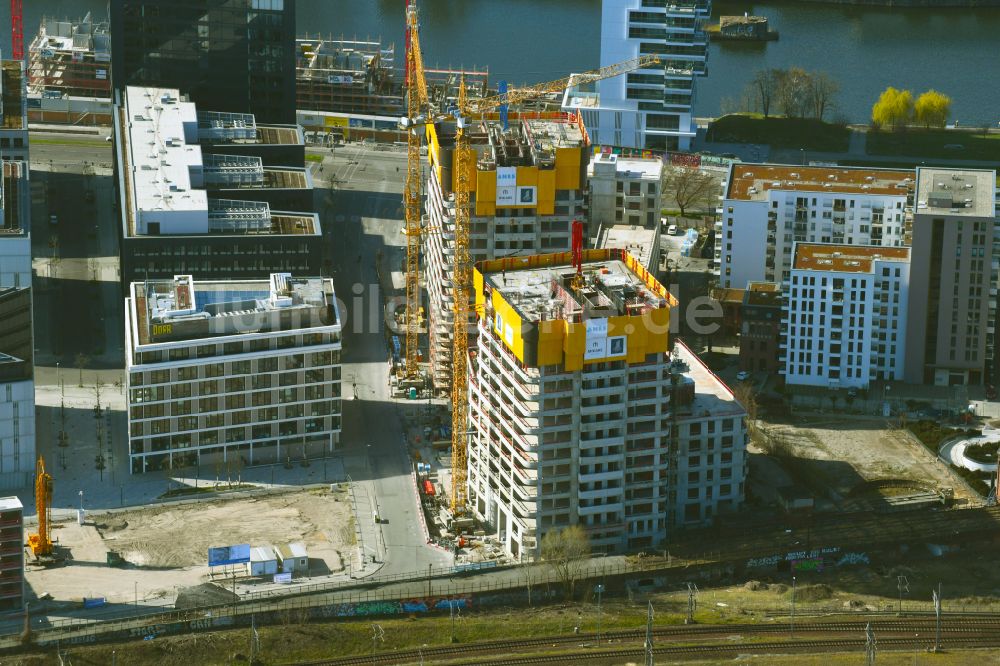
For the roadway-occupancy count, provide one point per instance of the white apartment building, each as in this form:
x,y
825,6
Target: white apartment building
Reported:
x,y
624,191
647,108
845,315
580,415
229,373
529,186
768,208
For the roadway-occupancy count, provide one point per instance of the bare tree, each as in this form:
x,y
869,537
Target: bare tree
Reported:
x,y
688,186
822,90
81,362
566,551
745,395
793,86
765,86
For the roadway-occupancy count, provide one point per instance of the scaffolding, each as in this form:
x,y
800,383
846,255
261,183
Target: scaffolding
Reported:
x,y
70,59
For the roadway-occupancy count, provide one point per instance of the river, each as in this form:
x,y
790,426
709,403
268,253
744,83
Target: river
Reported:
x,y
864,48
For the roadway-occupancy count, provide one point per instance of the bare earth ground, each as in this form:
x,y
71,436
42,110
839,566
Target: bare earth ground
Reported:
x,y
167,546
839,454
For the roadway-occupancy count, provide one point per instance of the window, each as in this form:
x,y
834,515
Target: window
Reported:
x,y
261,381
187,374
241,368
235,384
267,364
215,370
233,348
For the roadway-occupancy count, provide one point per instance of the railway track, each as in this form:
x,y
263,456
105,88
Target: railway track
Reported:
x,y
951,631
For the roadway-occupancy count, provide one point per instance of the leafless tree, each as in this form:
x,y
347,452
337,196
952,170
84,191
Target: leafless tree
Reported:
x,y
566,551
822,90
765,85
793,91
688,186
745,395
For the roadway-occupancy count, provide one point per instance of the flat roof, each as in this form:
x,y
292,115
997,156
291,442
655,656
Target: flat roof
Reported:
x,y
762,293
629,167
10,503
729,295
528,141
12,93
966,192
185,309
608,288
637,241
845,258
711,395
751,182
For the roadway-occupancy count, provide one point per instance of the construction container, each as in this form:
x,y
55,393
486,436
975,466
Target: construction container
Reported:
x,y
294,558
263,561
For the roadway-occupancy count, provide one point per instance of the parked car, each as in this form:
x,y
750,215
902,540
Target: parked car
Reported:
x,y
742,375
672,230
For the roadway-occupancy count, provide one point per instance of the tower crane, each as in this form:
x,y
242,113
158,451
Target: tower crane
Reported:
x,y
41,543
16,30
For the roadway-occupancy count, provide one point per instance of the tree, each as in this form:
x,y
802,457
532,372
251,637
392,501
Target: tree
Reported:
x,y
932,109
689,186
566,550
744,395
894,109
81,362
822,90
765,87
793,91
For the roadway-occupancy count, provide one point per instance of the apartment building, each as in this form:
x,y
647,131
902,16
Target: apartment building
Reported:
x,y
845,315
230,373
13,111
579,414
210,193
760,327
768,208
528,187
17,389
11,554
234,54
623,191
647,108
952,304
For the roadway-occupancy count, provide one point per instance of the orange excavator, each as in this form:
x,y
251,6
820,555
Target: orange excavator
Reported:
x,y
41,543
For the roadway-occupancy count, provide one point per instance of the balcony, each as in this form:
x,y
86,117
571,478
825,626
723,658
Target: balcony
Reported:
x,y
617,507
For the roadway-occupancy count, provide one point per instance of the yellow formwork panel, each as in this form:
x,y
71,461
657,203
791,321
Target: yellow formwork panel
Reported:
x,y
568,168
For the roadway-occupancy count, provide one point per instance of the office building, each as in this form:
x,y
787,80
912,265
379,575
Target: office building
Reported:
x,y
760,327
13,111
952,305
226,373
528,187
15,225
226,54
11,554
845,314
623,191
210,193
767,208
17,389
579,414
647,108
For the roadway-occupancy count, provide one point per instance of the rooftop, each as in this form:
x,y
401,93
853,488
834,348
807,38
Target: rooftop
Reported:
x,y
542,287
751,182
166,172
12,95
12,189
966,192
845,258
528,142
728,295
10,503
711,395
637,241
627,167
762,293
182,309
83,36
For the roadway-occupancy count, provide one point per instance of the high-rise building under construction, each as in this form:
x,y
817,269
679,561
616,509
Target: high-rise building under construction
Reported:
x,y
579,413
527,188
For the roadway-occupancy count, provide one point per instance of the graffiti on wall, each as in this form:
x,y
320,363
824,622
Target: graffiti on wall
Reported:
x,y
809,560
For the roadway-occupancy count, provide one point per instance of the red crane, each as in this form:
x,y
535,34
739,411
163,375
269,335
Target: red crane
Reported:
x,y
17,29
578,253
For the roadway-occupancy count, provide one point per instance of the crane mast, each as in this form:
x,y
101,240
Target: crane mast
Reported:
x,y
16,29
416,101
41,543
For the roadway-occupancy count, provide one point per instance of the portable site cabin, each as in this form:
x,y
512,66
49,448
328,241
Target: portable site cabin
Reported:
x,y
294,558
263,561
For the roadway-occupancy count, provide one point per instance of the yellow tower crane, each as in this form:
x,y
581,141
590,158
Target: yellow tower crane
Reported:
x,y
41,543
462,274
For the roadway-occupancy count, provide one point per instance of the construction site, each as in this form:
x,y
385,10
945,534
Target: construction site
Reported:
x,y
69,72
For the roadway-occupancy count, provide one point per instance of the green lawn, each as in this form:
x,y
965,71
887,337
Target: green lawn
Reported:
x,y
313,158
780,132
931,143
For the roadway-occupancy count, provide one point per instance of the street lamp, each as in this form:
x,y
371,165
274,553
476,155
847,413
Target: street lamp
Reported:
x,y
599,588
